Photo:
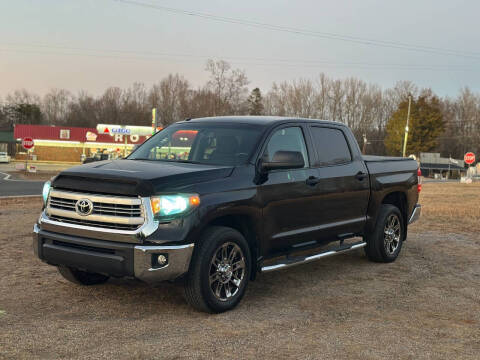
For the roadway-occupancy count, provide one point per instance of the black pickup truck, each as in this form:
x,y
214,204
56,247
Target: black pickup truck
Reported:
x,y
213,201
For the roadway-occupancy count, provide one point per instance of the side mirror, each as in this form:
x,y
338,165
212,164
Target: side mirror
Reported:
x,y
284,160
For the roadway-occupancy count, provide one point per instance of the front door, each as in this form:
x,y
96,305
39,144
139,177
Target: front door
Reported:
x,y
286,195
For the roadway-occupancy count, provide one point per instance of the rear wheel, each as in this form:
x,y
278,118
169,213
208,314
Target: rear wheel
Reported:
x,y
219,271
80,277
385,242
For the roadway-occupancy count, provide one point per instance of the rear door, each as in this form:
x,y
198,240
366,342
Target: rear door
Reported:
x,y
343,189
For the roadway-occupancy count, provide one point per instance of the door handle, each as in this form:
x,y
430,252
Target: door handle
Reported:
x,y
312,181
360,176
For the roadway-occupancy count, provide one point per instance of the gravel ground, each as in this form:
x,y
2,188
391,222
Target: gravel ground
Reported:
x,y
426,305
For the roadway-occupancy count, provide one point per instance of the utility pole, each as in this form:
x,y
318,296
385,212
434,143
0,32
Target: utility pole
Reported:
x,y
406,127
154,121
365,142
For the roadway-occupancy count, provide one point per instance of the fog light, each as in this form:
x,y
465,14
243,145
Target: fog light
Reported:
x,y
162,260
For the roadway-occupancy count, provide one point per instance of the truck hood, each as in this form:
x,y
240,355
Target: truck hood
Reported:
x,y
137,177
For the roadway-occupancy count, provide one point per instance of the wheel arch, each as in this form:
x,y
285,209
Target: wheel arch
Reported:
x,y
247,226
399,200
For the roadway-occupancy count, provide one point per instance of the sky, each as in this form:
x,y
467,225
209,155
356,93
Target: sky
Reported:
x,y
95,44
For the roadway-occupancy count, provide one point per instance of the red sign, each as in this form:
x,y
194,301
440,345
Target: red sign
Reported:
x,y
469,158
27,143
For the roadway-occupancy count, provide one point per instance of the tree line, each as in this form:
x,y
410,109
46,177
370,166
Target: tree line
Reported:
x,y
377,116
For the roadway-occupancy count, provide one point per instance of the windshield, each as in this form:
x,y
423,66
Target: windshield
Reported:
x,y
217,144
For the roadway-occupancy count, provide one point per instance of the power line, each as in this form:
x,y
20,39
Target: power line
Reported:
x,y
155,56
306,32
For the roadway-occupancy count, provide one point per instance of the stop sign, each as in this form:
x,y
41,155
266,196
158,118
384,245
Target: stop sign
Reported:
x,y
469,158
27,143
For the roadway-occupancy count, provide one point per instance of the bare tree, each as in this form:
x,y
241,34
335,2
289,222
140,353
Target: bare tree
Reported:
x,y
229,86
83,111
171,98
23,96
110,106
134,105
55,106
323,88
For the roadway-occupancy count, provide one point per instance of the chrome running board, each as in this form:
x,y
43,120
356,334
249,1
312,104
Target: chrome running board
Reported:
x,y
298,260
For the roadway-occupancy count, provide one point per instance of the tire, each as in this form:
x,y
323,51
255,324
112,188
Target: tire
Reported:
x,y
386,240
212,284
80,277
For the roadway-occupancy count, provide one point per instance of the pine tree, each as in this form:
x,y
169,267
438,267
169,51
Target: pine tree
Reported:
x,y
255,105
426,125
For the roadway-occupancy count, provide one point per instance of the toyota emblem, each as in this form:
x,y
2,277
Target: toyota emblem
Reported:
x,y
84,207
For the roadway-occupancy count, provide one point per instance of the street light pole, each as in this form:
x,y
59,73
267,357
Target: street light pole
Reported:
x,y
406,127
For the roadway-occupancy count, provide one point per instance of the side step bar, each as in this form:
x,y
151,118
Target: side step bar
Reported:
x,y
298,260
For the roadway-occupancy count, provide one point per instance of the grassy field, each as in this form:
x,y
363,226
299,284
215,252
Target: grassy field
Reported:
x,y
426,305
450,207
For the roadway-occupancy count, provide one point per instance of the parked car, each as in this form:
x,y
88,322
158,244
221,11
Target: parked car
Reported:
x,y
99,156
4,158
248,195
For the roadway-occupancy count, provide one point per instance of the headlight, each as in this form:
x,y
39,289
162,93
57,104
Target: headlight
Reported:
x,y
171,206
46,192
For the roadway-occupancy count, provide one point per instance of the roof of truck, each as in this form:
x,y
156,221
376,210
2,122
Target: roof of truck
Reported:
x,y
258,120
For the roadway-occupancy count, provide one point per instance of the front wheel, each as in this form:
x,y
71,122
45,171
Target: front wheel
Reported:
x,y
219,272
385,242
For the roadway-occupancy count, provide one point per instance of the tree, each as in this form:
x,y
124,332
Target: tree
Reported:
x,y
22,97
229,86
255,104
171,98
21,114
426,125
56,106
110,106
83,111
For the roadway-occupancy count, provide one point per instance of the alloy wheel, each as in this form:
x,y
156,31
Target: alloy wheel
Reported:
x,y
392,234
227,271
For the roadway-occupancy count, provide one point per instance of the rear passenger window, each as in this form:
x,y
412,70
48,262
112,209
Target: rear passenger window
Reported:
x,y
331,145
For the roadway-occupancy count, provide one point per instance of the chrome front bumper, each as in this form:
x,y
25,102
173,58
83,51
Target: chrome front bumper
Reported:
x,y
178,262
123,260
417,211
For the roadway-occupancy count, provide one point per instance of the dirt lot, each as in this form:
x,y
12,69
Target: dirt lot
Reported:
x,y
426,305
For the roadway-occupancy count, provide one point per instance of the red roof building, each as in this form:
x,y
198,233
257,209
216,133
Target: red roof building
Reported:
x,y
70,144
72,134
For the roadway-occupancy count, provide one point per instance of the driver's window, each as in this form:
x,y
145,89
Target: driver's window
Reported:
x,y
286,139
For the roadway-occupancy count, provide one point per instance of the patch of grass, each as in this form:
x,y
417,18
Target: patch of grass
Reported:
x,y
449,207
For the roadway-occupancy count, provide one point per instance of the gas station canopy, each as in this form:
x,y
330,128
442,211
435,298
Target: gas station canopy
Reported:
x,y
124,130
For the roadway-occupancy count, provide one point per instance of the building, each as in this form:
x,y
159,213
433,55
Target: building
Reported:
x,y
433,165
7,142
70,144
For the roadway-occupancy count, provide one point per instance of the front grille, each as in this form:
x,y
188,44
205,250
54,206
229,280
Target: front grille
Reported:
x,y
100,208
64,204
110,212
99,224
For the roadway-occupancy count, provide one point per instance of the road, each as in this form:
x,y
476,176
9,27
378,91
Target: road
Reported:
x,y
10,187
